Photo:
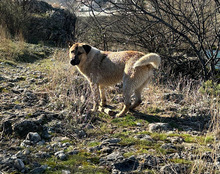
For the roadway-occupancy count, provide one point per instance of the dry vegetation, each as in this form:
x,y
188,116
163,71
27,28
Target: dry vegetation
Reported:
x,y
176,102
191,107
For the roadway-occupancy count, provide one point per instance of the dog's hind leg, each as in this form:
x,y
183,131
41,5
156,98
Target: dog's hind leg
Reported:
x,y
102,96
137,95
127,91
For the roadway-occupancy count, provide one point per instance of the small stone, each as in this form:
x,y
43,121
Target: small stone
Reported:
x,y
74,152
143,137
138,124
113,140
39,170
66,172
107,150
168,146
18,163
114,156
158,127
173,169
26,152
33,137
61,155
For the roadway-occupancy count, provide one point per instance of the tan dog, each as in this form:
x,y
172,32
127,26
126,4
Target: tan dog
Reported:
x,y
103,69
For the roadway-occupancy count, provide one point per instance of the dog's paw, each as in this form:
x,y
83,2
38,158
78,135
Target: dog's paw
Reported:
x,y
101,109
103,104
119,115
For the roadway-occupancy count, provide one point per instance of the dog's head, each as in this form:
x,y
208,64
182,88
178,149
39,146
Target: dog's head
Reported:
x,y
78,53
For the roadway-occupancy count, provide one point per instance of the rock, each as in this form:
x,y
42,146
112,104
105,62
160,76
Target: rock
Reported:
x,y
150,161
26,152
7,128
59,139
66,172
74,152
158,127
173,169
168,146
19,165
127,165
33,137
51,25
45,134
114,156
23,127
112,140
39,170
29,98
81,133
39,7
106,150
61,155
144,137
42,155
176,140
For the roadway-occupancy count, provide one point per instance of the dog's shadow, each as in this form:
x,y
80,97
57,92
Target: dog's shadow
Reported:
x,y
194,123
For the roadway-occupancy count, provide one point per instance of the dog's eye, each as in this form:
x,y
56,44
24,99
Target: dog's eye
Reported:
x,y
72,51
79,53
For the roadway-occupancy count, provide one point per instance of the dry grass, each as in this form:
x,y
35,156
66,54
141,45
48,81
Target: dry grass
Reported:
x,y
70,93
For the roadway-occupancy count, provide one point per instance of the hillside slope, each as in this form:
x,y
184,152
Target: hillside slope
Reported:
x,y
46,125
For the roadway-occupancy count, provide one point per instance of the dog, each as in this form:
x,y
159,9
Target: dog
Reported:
x,y
105,68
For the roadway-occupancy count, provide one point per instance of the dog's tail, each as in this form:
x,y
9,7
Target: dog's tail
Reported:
x,y
148,59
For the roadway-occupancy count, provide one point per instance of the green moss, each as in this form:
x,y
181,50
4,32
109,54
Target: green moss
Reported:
x,y
127,121
81,163
128,154
181,161
202,140
93,144
159,136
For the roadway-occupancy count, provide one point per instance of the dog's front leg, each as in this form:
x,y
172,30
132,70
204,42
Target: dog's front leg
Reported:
x,y
102,96
95,95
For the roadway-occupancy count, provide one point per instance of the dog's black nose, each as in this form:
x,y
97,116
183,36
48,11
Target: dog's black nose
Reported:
x,y
71,62
75,62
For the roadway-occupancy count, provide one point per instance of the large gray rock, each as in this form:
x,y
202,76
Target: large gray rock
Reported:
x,y
23,127
52,25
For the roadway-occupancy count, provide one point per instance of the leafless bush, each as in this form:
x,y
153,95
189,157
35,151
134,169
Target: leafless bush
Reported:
x,y
176,29
14,15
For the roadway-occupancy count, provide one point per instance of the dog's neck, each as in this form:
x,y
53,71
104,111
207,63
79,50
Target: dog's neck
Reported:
x,y
83,67
93,52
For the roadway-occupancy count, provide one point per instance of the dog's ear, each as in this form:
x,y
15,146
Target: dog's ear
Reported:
x,y
70,44
87,48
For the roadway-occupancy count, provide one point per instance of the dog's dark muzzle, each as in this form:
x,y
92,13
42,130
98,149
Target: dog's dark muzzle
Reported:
x,y
75,61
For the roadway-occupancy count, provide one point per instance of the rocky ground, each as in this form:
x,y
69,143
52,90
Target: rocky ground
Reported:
x,y
36,137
